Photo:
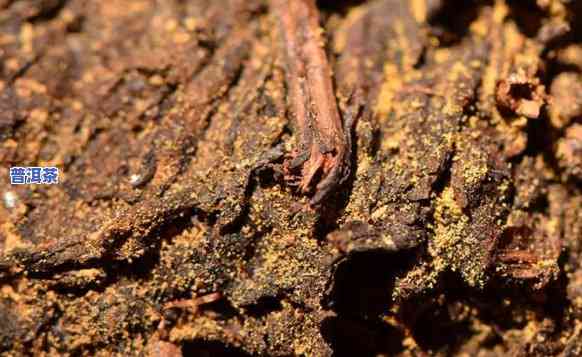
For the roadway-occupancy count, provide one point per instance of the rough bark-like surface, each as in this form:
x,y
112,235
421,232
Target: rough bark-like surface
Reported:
x,y
405,180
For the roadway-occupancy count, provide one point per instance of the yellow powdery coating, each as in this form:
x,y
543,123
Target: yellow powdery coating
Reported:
x,y
475,170
450,247
391,85
395,75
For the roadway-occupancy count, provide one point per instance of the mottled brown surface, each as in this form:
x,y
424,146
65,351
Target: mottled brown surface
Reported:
x,y
436,144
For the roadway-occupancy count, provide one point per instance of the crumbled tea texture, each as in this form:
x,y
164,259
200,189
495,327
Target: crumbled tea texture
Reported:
x,y
292,178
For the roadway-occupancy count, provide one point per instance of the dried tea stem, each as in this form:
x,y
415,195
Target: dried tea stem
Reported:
x,y
322,154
